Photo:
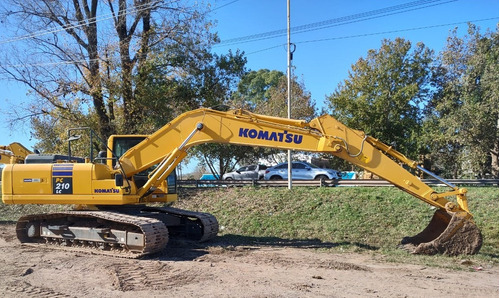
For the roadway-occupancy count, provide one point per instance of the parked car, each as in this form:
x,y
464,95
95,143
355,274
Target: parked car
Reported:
x,y
301,171
246,173
209,177
348,175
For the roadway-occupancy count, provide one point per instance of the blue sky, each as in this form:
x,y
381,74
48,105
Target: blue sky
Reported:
x,y
351,28
323,56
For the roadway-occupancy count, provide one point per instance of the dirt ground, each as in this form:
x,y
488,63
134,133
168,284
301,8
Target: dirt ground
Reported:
x,y
222,270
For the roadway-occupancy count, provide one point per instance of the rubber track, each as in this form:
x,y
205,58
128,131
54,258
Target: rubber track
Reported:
x,y
154,231
207,220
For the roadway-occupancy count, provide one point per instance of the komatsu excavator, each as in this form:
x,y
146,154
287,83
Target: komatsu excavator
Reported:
x,y
13,153
113,217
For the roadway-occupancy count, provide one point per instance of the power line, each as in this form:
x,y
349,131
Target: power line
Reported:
x,y
265,49
396,31
135,9
371,34
89,21
224,5
378,13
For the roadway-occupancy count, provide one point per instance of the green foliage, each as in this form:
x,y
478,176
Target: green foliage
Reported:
x,y
361,219
266,92
383,94
443,114
254,88
302,106
463,115
190,82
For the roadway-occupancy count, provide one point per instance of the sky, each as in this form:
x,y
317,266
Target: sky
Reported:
x,y
329,37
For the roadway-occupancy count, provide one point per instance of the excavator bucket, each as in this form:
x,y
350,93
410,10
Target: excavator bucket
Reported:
x,y
449,233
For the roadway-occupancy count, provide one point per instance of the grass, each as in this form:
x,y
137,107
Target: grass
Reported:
x,y
353,219
11,213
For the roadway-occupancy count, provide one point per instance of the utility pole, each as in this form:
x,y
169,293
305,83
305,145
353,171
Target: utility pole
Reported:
x,y
289,94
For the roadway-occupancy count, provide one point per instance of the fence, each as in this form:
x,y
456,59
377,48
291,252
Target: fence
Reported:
x,y
324,183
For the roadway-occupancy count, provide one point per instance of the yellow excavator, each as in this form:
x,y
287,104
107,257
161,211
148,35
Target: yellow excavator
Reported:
x,y
13,153
112,195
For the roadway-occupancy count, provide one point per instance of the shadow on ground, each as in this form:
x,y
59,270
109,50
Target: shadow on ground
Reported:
x,y
180,250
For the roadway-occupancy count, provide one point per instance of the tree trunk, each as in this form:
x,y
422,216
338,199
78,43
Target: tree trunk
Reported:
x,y
494,160
96,86
105,127
131,107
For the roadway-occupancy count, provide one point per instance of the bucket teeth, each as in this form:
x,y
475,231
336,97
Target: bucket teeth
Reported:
x,y
447,233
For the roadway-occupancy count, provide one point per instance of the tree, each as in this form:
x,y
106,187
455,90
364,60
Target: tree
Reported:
x,y
85,62
384,92
464,111
205,81
212,85
254,88
265,92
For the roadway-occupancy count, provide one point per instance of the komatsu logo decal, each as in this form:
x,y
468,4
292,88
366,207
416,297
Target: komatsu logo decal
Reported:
x,y
270,136
106,190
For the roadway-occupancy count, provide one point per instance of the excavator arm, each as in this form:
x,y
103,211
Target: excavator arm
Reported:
x,y
324,134
451,230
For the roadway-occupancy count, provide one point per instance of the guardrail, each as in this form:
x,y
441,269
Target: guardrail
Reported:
x,y
324,183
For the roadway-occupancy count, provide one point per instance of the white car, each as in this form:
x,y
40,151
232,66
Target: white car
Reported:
x,y
300,171
250,172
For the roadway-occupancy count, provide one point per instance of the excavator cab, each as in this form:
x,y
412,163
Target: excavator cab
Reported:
x,y
119,144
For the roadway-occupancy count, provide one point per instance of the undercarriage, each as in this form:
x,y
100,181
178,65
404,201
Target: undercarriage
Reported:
x,y
123,231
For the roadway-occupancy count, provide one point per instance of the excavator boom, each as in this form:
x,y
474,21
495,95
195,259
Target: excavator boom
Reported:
x,y
13,153
451,231
323,134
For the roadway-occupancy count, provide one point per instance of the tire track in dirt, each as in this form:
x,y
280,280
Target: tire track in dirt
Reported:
x,y
17,286
150,275
24,289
